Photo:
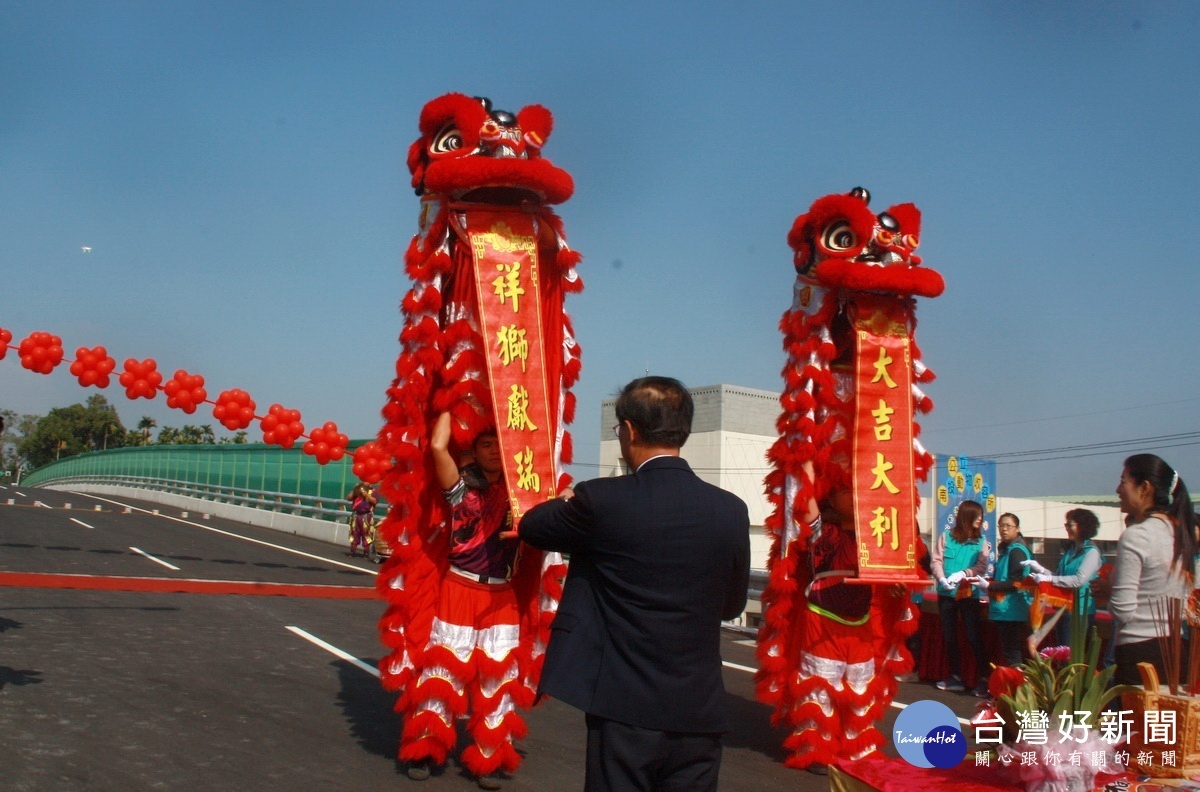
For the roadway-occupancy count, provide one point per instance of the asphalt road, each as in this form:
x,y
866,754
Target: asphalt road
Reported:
x,y
191,681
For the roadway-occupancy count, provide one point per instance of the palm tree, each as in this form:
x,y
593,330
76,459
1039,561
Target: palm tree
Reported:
x,y
144,426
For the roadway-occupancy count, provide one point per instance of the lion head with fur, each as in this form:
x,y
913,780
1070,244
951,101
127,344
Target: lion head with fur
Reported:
x,y
841,243
470,152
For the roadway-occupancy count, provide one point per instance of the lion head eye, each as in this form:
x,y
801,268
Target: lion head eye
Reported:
x,y
449,139
839,236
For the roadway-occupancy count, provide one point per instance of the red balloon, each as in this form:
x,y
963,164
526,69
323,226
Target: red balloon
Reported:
x,y
41,352
141,378
5,337
326,444
185,391
93,366
234,409
371,462
281,426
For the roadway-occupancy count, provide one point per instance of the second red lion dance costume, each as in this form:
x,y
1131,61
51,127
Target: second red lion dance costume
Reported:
x,y
844,481
487,340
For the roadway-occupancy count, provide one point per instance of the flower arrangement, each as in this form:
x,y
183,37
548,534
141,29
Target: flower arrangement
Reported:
x,y
1061,685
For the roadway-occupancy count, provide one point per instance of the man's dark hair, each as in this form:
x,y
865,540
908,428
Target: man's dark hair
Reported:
x,y
660,408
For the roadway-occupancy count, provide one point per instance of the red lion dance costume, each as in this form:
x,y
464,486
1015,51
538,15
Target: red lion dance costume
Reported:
x,y
471,163
829,651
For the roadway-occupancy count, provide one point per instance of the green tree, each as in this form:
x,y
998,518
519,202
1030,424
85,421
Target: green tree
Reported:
x,y
143,429
66,431
16,429
190,435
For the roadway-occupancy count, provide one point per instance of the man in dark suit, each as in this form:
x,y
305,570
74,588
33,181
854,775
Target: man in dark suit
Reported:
x,y
657,559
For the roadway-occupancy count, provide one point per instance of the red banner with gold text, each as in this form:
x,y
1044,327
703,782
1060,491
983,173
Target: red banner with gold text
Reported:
x,y
885,504
504,249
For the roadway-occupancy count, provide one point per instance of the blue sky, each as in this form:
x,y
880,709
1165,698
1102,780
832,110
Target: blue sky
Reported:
x,y
238,171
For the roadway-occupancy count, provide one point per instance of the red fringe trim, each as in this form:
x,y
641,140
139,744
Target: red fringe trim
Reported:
x,y
427,737
504,758
809,747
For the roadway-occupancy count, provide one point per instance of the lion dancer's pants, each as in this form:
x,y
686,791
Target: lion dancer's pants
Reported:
x,y
836,702
360,532
470,668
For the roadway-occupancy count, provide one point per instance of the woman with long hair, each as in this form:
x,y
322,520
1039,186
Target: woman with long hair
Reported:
x,y
1154,560
959,554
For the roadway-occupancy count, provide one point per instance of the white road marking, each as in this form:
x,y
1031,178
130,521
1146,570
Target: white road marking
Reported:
x,y
233,535
81,522
39,503
333,650
155,560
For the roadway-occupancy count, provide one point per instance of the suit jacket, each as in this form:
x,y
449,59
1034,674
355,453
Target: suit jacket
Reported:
x,y
657,559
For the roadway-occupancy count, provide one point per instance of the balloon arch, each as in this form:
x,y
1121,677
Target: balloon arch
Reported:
x,y
42,352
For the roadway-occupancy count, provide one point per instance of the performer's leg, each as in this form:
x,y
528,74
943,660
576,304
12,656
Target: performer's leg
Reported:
x,y
858,712
817,735
495,721
429,735
440,694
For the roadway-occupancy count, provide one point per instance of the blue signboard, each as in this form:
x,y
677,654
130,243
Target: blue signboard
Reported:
x,y
960,478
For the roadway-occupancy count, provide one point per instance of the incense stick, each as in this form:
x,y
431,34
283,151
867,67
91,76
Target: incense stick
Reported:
x,y
1168,621
1192,614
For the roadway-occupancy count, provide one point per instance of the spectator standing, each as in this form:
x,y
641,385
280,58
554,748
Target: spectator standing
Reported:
x,y
1154,556
658,559
1078,567
958,554
1008,606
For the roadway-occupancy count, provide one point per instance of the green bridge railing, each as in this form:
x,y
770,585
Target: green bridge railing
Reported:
x,y
253,474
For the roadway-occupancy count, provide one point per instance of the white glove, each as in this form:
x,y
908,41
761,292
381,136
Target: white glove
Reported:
x,y
1034,566
944,583
953,580
1041,577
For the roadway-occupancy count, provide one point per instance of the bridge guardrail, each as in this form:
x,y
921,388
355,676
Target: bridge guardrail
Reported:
x,y
332,509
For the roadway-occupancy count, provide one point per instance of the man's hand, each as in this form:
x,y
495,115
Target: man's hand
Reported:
x,y
566,494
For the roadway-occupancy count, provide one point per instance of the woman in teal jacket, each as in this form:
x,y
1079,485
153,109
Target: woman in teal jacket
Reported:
x,y
1079,566
1008,606
959,554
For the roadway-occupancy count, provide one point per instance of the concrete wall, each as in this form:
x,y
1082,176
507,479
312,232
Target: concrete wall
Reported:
x,y
311,527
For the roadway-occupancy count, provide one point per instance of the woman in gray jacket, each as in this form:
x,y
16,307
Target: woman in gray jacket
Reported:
x,y
1154,560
